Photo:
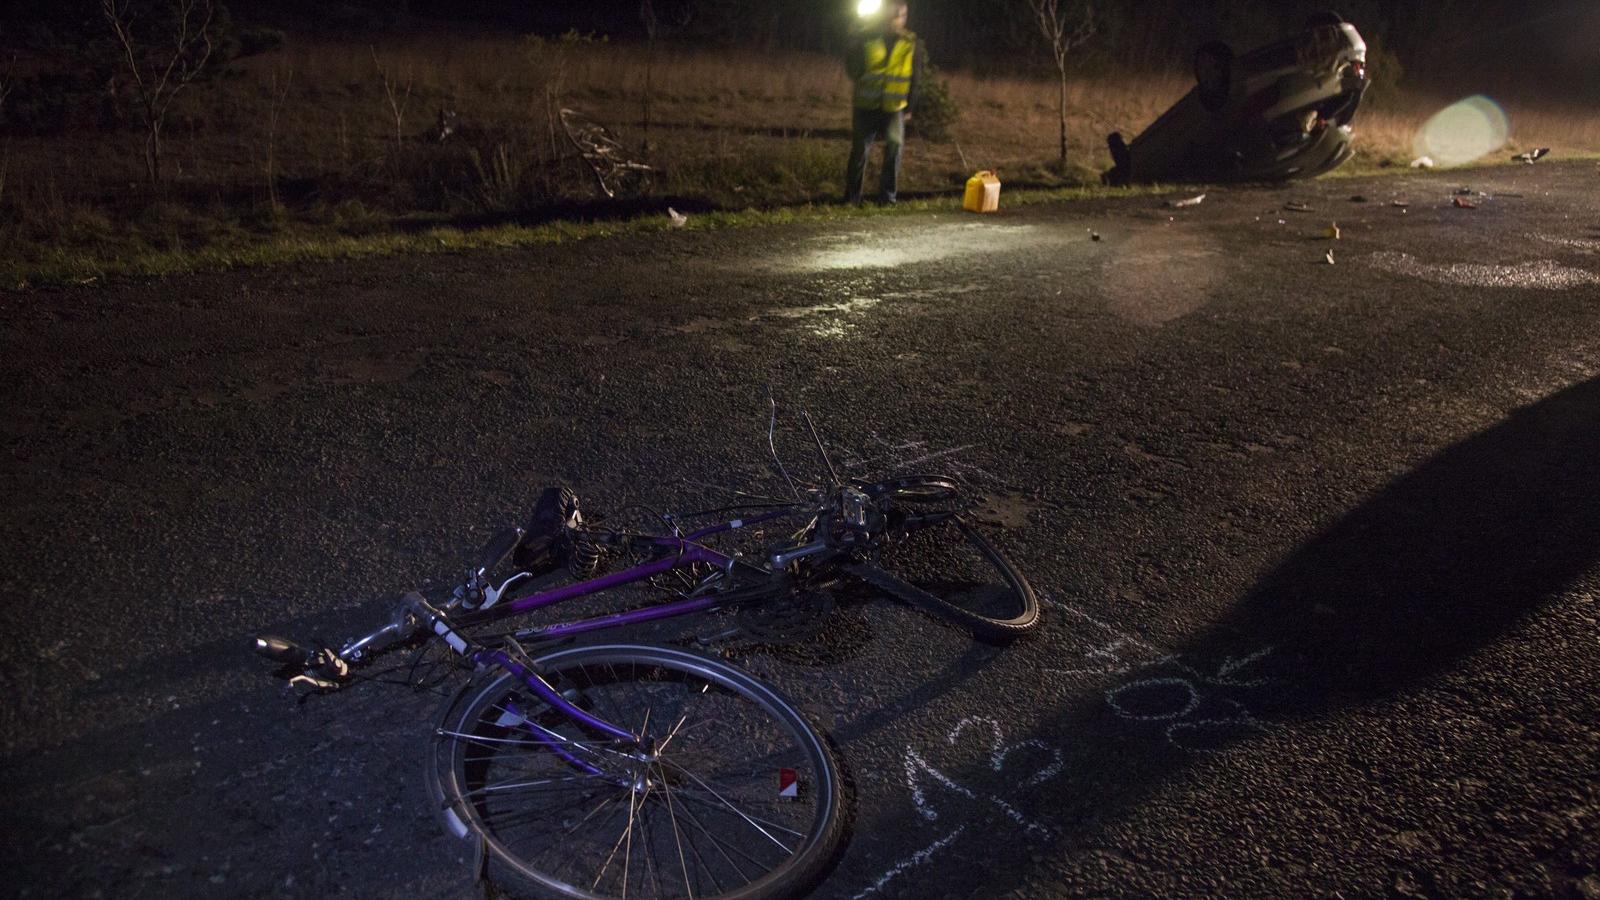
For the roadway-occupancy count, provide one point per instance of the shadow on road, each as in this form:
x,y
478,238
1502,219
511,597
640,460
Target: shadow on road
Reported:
x,y
1437,566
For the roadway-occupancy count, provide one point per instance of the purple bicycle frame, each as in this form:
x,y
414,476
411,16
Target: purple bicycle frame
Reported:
x,y
689,553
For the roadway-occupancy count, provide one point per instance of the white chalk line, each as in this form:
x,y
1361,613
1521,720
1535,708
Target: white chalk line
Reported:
x,y
1180,724
999,750
916,859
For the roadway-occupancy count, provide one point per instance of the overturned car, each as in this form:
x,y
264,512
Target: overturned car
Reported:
x,y
1280,112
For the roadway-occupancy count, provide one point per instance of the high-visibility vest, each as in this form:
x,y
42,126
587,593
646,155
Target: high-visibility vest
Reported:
x,y
886,83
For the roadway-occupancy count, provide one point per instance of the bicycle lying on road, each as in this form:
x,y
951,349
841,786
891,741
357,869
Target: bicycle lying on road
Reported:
x,y
613,769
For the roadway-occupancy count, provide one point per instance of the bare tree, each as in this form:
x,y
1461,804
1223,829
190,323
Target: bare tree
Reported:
x,y
1055,23
280,95
399,98
160,72
647,15
8,83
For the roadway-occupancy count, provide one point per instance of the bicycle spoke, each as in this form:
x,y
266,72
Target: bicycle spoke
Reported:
x,y
723,847
625,836
678,727
604,802
715,802
598,817
737,811
677,838
553,784
646,830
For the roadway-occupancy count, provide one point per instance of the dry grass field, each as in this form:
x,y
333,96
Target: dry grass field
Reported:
x,y
321,138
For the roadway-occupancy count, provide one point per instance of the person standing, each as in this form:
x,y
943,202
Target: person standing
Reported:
x,y
885,64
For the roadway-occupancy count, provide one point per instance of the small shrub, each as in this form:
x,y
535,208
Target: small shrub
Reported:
x,y
936,111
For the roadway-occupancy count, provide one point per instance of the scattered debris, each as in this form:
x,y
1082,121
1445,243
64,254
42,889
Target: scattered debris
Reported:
x,y
1468,192
1422,162
1297,206
1531,156
1192,201
1357,198
1332,231
1463,203
1402,204
1329,257
678,219
604,154
1094,235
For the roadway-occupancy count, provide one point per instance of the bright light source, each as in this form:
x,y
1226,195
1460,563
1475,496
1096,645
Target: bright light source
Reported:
x,y
869,8
1463,132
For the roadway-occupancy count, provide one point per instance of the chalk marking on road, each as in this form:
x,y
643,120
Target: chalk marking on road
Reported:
x,y
1243,719
999,750
1113,659
1192,704
914,762
1232,665
916,859
917,765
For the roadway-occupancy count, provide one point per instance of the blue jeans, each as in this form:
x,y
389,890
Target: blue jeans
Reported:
x,y
865,127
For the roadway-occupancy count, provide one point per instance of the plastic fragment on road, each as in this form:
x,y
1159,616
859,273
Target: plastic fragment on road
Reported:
x,y
1188,202
1329,257
1297,206
1331,232
1094,235
1422,162
1531,156
1400,204
983,193
678,219
1463,203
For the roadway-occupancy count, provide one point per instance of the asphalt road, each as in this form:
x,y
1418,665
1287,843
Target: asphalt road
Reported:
x,y
1320,544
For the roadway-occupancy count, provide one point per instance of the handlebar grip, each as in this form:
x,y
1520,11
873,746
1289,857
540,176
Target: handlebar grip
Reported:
x,y
282,650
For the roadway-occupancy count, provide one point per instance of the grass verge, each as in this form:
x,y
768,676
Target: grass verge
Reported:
x,y
47,267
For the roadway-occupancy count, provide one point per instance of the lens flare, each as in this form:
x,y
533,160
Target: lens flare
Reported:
x,y
868,8
1463,131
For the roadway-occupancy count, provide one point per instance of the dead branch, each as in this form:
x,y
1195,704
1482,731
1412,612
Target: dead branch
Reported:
x,y
399,99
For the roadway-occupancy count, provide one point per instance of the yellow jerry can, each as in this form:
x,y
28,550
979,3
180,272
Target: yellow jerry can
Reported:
x,y
983,193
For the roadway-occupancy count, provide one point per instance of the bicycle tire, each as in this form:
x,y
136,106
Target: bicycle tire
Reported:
x,y
683,806
951,569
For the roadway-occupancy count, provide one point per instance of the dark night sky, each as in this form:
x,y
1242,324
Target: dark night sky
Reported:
x,y
1539,44
1452,38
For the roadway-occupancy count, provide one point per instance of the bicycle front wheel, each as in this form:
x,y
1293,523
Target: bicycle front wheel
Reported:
x,y
944,564
730,793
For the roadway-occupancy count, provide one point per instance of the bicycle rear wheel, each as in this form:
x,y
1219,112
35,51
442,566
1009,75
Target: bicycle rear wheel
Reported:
x,y
732,794
944,564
